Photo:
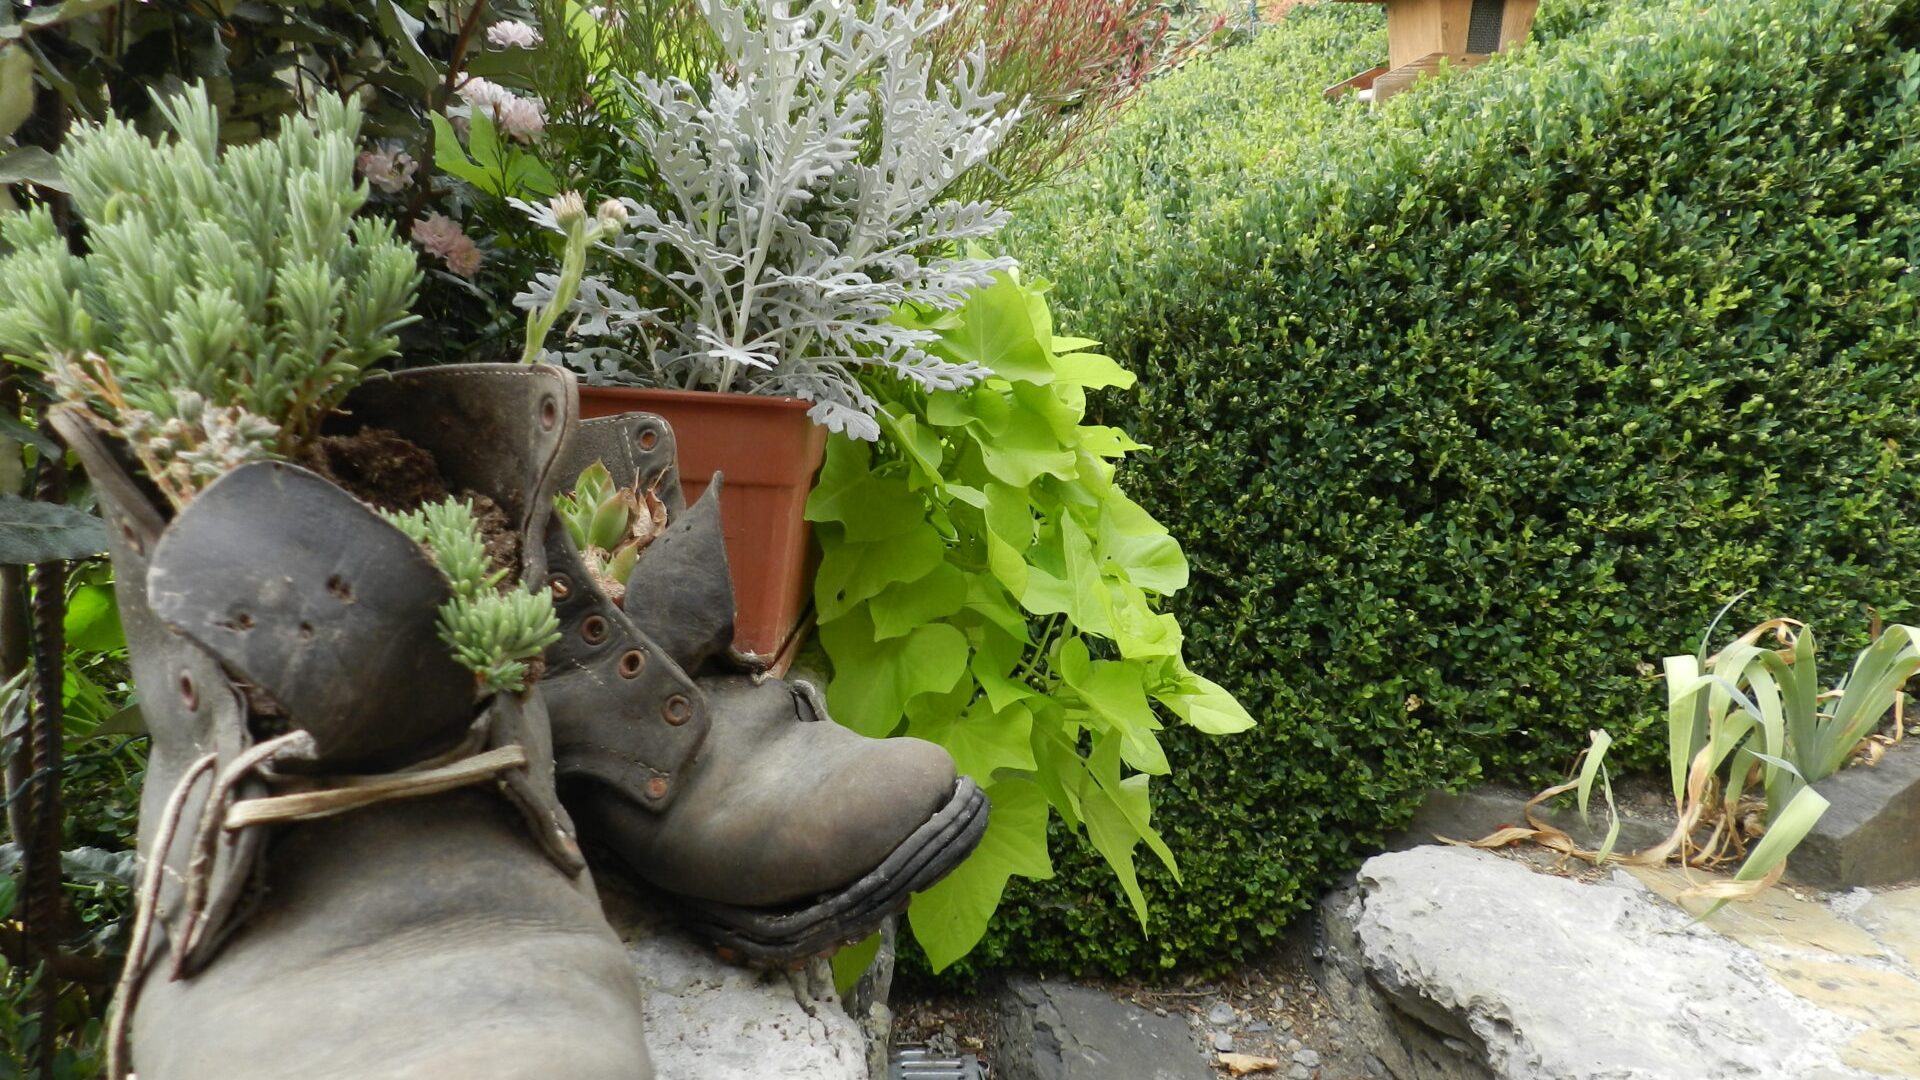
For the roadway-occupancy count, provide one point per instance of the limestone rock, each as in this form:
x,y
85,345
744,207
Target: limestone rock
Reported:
x,y
707,1020
1058,1031
1452,964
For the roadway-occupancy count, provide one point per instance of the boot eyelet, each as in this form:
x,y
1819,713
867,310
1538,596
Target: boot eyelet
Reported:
x,y
189,693
657,788
562,588
678,710
594,629
549,412
649,438
632,663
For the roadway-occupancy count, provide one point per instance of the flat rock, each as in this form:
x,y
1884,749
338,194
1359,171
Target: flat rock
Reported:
x,y
1047,1030
1453,964
707,1020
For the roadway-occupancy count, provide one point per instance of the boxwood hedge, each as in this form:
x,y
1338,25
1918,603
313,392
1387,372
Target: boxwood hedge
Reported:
x,y
1470,407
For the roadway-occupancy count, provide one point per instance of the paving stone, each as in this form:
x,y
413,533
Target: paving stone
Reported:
x,y
1049,1030
1894,919
1876,996
1886,1052
1870,835
1775,919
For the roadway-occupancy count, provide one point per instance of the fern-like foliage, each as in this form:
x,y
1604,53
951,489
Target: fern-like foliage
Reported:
x,y
227,300
803,208
492,633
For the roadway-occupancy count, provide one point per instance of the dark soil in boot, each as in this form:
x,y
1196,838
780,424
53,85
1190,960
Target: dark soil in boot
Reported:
x,y
503,544
379,468
392,473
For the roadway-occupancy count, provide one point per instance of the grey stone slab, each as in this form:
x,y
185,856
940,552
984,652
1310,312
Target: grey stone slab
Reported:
x,y
1047,1030
1452,964
1870,835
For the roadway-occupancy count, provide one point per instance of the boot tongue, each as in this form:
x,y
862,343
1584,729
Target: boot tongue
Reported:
x,y
497,430
308,595
680,592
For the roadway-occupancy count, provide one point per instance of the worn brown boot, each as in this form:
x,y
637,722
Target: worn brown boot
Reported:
x,y
353,865
782,833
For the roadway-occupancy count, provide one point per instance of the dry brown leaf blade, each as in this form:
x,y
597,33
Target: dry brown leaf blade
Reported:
x,y
1247,1064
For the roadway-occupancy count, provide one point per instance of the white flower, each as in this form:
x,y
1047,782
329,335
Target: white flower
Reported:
x,y
568,207
512,35
613,214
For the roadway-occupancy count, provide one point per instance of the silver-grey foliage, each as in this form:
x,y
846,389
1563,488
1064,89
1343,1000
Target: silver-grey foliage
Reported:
x,y
805,183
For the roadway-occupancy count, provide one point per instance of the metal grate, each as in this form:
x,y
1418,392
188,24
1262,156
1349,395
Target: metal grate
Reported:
x,y
918,1063
1483,29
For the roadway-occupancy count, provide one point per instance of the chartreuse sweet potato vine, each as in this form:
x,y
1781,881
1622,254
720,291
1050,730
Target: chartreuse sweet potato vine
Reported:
x,y
988,587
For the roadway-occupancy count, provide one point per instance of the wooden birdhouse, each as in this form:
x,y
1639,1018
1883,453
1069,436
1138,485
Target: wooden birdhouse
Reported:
x,y
1421,34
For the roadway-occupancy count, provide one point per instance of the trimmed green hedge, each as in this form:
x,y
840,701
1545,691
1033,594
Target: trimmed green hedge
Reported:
x,y
1471,407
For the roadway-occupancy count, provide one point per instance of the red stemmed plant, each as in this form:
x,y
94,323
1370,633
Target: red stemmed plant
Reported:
x,y
1070,65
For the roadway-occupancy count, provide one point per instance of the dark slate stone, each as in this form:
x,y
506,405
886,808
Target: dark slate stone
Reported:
x,y
1058,1031
1871,833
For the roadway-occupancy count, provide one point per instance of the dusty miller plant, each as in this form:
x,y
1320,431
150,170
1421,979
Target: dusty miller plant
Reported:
x,y
227,301
802,208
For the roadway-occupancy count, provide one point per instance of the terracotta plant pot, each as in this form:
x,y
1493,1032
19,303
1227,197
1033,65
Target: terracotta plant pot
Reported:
x,y
768,451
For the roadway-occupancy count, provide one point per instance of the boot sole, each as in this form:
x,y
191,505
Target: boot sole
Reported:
x,y
776,936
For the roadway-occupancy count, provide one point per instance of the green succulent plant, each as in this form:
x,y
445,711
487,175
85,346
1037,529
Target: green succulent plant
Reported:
x,y
492,632
610,525
228,299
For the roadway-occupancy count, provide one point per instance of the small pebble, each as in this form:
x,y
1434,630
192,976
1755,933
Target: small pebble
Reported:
x,y
1259,1027
1299,1072
1294,1044
1221,1014
1222,1041
1308,1058
1159,1010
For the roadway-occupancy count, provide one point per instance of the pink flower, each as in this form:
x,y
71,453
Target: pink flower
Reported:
x,y
441,235
512,35
388,172
522,118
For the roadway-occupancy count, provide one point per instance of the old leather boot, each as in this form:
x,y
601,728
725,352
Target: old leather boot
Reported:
x,y
352,868
782,833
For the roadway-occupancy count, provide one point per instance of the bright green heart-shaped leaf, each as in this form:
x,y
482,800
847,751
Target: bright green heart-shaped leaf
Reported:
x,y
996,331
996,656
1205,705
902,606
93,620
950,918
877,506
885,675
1090,370
981,739
852,573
